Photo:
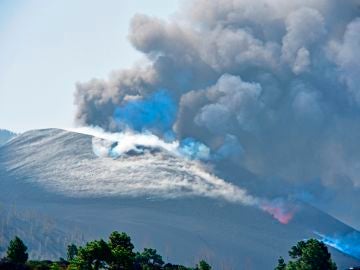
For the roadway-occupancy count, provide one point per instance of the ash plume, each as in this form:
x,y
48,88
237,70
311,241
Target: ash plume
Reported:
x,y
271,85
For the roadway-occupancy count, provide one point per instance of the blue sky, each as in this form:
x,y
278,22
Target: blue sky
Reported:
x,y
48,46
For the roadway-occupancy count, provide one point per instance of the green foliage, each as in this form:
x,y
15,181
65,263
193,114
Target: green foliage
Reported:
x,y
55,266
72,251
308,255
122,240
122,255
94,255
47,265
17,251
116,254
203,266
281,264
150,258
170,266
40,265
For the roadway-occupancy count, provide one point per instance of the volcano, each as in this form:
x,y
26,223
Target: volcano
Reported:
x,y
55,190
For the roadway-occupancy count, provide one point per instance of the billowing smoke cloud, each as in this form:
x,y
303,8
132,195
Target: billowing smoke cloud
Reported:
x,y
270,85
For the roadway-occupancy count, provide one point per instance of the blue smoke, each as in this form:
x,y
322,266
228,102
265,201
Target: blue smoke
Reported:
x,y
348,243
193,149
156,112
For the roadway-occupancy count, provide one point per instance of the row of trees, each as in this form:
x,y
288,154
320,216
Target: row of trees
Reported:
x,y
115,254
118,254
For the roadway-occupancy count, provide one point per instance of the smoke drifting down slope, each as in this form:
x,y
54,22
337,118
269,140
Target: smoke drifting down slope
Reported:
x,y
188,178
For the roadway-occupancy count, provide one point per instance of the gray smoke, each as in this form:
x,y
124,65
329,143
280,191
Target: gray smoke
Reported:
x,y
277,80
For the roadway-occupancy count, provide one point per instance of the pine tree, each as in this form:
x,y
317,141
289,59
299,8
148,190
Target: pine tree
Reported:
x,y
72,251
203,265
17,251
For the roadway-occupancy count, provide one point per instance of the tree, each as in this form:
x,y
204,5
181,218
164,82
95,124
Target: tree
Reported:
x,y
117,239
203,265
309,255
17,251
72,251
281,264
122,255
149,258
118,254
170,266
95,255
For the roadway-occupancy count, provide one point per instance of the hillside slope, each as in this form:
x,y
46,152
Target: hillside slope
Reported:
x,y
6,135
55,173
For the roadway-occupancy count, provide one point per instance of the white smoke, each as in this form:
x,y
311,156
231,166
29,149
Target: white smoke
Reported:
x,y
166,174
169,173
127,141
117,144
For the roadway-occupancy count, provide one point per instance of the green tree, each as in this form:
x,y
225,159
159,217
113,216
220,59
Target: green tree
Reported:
x,y
149,258
55,266
122,255
118,254
17,251
281,264
203,265
170,266
309,255
94,255
72,251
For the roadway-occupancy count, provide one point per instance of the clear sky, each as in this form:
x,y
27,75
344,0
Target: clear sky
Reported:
x,y
47,46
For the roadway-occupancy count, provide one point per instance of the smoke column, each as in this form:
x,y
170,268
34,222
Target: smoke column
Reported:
x,y
270,85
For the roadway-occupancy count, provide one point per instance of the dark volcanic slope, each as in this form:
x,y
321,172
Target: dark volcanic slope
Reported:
x,y
55,174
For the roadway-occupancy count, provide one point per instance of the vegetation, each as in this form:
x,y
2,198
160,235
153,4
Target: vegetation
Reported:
x,y
308,255
118,254
115,254
16,252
